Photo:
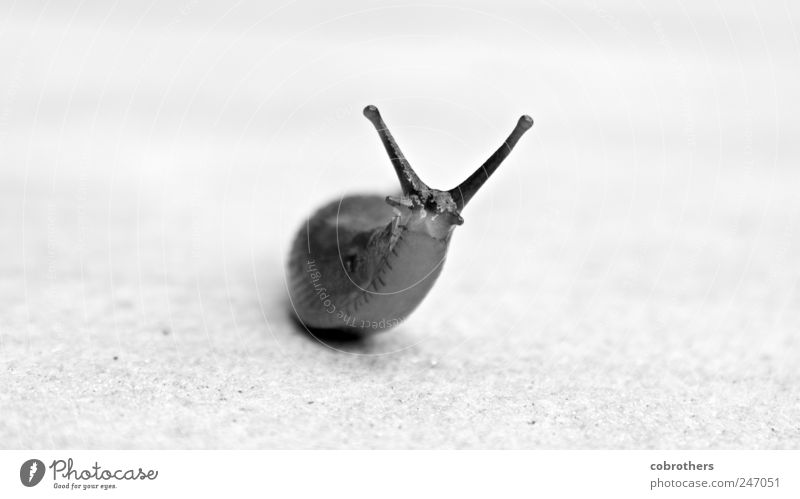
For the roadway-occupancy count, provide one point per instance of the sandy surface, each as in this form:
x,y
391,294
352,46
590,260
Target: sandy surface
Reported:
x,y
628,279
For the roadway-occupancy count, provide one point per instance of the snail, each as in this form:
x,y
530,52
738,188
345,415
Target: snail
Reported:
x,y
363,263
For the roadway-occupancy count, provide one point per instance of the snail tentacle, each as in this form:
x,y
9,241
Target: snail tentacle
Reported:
x,y
464,192
409,180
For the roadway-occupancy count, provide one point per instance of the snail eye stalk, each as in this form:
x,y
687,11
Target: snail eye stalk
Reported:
x,y
409,180
464,192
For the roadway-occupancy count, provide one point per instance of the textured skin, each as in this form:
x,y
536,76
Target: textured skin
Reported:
x,y
360,265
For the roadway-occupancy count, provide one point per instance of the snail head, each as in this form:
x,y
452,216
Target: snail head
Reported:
x,y
440,205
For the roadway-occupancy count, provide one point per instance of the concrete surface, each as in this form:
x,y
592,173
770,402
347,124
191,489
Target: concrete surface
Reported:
x,y
628,279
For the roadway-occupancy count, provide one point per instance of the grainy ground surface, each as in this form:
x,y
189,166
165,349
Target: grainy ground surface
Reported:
x,y
628,279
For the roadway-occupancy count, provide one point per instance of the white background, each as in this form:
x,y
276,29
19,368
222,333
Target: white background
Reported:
x,y
408,473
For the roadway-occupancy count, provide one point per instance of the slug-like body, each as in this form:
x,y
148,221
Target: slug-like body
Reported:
x,y
364,263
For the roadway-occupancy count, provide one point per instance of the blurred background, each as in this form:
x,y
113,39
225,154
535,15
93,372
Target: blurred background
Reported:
x,y
628,278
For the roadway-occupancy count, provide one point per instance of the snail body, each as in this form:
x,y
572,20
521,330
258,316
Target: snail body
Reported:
x,y
365,262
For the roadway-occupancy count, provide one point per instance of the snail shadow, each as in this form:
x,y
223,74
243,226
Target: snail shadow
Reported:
x,y
332,338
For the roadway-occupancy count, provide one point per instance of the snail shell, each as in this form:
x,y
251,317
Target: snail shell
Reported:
x,y
364,263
